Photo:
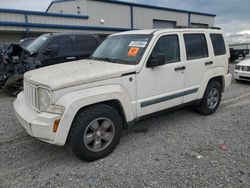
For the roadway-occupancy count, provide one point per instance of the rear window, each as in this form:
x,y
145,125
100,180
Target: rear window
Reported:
x,y
218,44
85,44
196,46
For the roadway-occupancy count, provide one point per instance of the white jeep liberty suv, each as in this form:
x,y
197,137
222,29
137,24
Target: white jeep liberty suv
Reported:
x,y
133,74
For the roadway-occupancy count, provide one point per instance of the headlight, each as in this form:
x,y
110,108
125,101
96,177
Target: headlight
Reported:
x,y
237,67
245,68
43,98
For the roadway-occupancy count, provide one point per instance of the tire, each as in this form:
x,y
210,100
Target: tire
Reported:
x,y
206,106
14,85
237,80
84,129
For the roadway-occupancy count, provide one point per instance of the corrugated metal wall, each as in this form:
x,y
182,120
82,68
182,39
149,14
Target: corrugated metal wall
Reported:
x,y
68,7
202,19
10,17
50,30
56,20
7,17
143,17
120,15
114,15
99,16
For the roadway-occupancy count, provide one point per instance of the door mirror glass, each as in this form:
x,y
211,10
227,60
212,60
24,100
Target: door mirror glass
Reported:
x,y
51,50
156,60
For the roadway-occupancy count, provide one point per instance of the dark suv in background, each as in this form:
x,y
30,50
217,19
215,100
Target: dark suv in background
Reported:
x,y
48,49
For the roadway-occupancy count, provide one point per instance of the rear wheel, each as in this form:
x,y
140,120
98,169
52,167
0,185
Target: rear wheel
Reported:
x,y
211,99
95,132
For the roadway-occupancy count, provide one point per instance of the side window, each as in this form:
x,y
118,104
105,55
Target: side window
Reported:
x,y
85,44
64,45
168,46
218,44
196,46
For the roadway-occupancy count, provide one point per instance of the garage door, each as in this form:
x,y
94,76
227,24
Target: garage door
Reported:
x,y
163,24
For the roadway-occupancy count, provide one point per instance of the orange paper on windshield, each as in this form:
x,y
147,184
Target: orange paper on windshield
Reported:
x,y
133,52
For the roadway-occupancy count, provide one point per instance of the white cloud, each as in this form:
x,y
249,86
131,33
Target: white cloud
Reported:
x,y
237,31
238,38
245,32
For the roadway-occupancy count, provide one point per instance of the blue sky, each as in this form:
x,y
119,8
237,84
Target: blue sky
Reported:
x,y
233,16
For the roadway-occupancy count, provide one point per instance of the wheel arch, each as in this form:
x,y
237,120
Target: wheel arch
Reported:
x,y
221,80
217,74
114,96
114,103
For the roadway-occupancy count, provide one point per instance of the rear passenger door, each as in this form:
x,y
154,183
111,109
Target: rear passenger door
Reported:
x,y
197,63
84,46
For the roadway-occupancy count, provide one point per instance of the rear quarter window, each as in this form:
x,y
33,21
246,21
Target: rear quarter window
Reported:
x,y
218,44
196,46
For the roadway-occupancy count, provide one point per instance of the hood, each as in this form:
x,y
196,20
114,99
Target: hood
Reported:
x,y
244,63
14,49
11,50
75,73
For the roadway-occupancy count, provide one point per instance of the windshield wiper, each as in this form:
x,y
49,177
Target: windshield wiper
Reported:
x,y
111,60
118,61
105,59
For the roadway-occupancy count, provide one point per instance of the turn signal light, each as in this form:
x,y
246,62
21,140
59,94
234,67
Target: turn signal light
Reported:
x,y
56,125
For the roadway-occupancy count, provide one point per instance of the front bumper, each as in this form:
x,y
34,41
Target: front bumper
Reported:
x,y
39,125
242,75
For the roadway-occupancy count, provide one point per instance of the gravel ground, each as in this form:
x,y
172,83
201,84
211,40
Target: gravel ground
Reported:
x,y
179,149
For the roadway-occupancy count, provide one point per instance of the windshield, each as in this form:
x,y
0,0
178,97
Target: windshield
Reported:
x,y
35,45
125,49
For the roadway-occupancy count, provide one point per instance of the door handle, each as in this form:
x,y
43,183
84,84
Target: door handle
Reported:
x,y
209,63
70,58
180,68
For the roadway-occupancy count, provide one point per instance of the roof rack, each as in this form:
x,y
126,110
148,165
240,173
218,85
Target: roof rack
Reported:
x,y
195,27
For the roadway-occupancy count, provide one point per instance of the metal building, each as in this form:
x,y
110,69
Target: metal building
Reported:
x,y
99,16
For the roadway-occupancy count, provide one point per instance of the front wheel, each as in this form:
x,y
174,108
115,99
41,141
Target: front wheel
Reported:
x,y
95,132
14,85
15,89
211,99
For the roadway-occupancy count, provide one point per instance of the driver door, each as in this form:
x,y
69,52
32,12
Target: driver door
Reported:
x,y
162,87
63,54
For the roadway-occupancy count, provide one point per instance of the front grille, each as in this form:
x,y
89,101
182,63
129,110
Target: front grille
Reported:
x,y
30,93
244,77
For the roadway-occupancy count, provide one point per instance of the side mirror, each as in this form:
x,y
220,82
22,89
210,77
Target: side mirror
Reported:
x,y
51,50
156,60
